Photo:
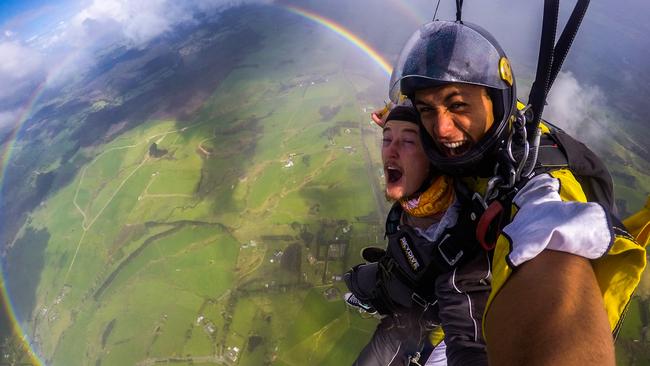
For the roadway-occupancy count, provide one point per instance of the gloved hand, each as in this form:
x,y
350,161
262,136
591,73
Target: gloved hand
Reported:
x,y
372,254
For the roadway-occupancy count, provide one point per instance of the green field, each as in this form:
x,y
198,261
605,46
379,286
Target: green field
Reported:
x,y
217,248
227,246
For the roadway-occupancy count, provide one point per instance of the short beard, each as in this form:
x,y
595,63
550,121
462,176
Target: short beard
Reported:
x,y
390,199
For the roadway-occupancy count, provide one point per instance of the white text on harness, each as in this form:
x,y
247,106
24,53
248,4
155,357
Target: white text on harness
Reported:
x,y
413,262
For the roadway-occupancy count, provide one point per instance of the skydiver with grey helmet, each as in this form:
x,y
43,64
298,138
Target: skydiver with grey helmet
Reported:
x,y
527,191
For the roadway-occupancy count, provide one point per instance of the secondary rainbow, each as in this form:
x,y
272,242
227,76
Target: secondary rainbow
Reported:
x,y
25,113
5,157
418,18
345,33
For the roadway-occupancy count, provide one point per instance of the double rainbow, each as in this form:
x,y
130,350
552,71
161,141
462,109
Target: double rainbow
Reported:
x,y
26,112
345,33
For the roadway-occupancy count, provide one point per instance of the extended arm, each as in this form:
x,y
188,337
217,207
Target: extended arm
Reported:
x,y
550,312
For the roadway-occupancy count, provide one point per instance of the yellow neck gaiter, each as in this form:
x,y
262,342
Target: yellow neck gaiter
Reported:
x,y
437,198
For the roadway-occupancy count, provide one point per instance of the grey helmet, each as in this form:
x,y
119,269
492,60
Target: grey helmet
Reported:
x,y
443,52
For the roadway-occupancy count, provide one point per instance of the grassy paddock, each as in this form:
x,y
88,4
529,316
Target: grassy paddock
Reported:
x,y
139,266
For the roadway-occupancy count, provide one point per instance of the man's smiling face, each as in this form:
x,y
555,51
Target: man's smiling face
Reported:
x,y
405,164
456,115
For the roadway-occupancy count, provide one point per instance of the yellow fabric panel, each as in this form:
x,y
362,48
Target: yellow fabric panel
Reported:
x,y
638,224
618,272
436,336
544,128
500,273
476,184
570,189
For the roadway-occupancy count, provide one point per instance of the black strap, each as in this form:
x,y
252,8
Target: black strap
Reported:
x,y
538,90
566,38
552,55
459,10
393,219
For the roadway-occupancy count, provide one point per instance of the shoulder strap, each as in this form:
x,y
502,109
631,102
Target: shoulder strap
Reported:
x,y
557,150
393,219
560,150
551,54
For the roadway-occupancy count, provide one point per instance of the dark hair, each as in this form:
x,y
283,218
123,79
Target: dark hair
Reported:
x,y
403,113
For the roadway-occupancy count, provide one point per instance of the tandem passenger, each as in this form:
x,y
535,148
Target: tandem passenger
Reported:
x,y
409,330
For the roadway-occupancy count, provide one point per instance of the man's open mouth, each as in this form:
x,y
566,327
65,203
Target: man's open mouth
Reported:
x,y
455,148
393,174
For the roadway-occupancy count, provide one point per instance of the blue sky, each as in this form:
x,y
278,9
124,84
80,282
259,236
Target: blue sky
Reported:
x,y
36,35
26,18
11,8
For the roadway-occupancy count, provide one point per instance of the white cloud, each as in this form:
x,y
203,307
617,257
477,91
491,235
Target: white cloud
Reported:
x,y
26,63
18,60
8,119
21,67
575,108
136,21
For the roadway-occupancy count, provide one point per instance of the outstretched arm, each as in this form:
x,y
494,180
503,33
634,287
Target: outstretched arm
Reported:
x,y
550,312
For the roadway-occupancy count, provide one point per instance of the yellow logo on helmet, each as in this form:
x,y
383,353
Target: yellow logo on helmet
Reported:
x,y
504,70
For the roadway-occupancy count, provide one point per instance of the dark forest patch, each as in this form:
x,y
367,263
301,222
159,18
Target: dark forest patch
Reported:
x,y
254,341
23,266
624,178
327,112
107,332
291,259
155,151
331,132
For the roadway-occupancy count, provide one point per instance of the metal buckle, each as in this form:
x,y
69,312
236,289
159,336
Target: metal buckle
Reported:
x,y
419,300
478,198
415,359
450,262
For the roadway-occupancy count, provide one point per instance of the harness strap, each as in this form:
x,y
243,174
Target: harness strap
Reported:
x,y
538,90
552,55
492,216
454,246
566,38
497,214
459,10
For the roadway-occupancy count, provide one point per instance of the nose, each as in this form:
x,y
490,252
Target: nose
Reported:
x,y
390,150
444,126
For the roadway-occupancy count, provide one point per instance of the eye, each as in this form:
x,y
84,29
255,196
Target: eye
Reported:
x,y
425,109
457,106
409,141
386,141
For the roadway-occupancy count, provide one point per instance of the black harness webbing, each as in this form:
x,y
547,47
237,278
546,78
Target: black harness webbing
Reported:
x,y
454,246
552,55
557,150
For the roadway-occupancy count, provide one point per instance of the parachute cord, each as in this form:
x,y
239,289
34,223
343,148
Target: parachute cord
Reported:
x,y
436,11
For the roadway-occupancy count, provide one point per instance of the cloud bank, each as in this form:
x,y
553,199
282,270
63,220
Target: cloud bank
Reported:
x,y
576,108
28,63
